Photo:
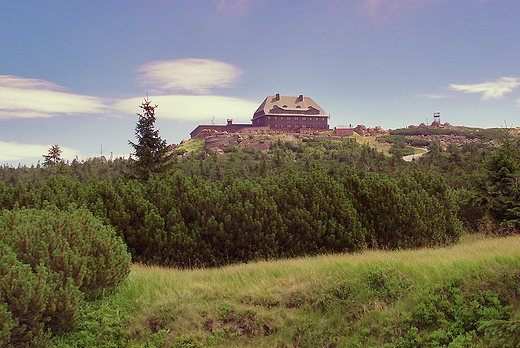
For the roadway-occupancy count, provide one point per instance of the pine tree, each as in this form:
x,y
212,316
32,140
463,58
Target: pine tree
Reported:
x,y
53,157
151,151
501,187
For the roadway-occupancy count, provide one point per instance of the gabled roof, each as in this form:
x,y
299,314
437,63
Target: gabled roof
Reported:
x,y
277,105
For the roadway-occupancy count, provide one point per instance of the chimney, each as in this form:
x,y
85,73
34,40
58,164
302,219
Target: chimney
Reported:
x,y
277,96
300,98
229,121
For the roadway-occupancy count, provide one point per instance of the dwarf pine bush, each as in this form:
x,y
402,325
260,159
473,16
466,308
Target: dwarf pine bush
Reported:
x,y
51,260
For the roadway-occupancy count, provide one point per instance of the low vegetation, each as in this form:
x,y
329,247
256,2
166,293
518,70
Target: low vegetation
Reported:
x,y
66,229
51,261
418,298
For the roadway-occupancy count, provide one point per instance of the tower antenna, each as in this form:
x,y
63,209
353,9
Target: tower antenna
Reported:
x,y
437,117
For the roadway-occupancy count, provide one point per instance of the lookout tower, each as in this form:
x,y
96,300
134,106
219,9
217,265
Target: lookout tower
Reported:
x,y
437,117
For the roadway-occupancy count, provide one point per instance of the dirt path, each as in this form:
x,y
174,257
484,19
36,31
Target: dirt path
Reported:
x,y
410,158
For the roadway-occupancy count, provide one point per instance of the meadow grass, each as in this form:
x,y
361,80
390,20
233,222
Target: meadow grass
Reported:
x,y
349,300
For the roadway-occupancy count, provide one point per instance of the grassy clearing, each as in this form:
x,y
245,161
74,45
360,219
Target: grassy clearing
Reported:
x,y
192,145
374,143
369,299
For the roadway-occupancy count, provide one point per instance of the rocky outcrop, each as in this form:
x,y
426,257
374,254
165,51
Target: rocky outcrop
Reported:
x,y
217,141
364,132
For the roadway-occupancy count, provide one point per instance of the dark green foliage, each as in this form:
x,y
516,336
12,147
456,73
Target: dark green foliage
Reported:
x,y
501,186
297,198
401,140
52,260
400,151
404,213
457,310
190,222
471,133
504,333
26,301
150,150
418,142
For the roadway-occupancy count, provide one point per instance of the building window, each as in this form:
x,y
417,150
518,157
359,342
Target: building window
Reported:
x,y
269,125
288,126
303,126
268,117
249,131
296,118
275,117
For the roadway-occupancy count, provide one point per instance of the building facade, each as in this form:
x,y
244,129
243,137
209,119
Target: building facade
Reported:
x,y
291,115
277,114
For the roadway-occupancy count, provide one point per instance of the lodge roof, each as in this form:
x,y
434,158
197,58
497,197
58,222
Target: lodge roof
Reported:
x,y
288,105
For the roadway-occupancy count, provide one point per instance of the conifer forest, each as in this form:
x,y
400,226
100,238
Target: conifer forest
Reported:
x,y
70,230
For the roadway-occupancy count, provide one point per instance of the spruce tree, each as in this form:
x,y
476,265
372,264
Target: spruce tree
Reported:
x,y
502,182
151,151
53,157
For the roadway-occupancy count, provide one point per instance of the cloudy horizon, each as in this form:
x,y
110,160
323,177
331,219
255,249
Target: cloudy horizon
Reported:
x,y
388,63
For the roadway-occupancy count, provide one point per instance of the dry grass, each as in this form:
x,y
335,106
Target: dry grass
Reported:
x,y
157,284
288,302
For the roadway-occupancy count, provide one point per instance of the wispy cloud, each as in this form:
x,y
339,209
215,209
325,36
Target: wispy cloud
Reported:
x,y
195,107
489,90
434,96
192,75
29,98
26,83
13,152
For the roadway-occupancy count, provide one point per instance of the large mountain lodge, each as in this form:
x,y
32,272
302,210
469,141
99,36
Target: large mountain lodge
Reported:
x,y
278,114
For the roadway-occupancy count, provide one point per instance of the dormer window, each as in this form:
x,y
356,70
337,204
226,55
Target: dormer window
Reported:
x,y
284,106
298,107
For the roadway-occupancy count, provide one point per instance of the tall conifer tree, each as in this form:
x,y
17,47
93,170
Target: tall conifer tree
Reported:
x,y
151,151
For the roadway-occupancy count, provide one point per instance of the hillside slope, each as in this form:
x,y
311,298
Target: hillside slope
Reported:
x,y
420,298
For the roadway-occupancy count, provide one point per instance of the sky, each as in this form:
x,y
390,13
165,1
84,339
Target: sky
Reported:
x,y
74,73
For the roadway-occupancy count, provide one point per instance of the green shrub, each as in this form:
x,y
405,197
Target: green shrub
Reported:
x,y
418,142
51,260
25,297
401,151
392,139
503,332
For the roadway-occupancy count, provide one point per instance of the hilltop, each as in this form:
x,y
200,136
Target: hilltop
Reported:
x,y
413,136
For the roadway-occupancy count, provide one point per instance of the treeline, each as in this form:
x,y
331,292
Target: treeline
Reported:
x,y
472,133
297,198
188,222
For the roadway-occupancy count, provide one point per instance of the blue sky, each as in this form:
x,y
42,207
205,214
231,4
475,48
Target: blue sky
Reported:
x,y
74,73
